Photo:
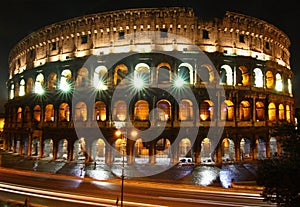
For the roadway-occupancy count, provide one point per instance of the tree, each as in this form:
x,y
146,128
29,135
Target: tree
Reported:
x,y
280,175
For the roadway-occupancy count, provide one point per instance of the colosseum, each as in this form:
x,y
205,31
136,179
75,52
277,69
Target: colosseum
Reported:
x,y
99,86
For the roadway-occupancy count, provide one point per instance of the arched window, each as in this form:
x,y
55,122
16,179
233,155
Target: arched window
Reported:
x,y
49,113
163,147
80,111
226,75
100,78
65,80
22,88
120,72
164,110
142,73
29,85
258,78
260,111
288,113
206,73
269,80
290,87
206,110
82,77
141,110
272,112
185,148
186,110
163,73
37,113
185,72
279,82
227,110
64,112
100,111
120,111
12,91
281,114
51,84
242,76
39,83
245,111
206,150
19,115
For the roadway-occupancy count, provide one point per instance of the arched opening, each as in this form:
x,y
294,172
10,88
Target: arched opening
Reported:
x,y
100,78
37,113
272,112
164,110
258,78
120,111
206,110
245,148
141,110
226,75
80,152
281,112
51,83
141,151
245,111
163,151
19,115
163,73
261,148
35,147
98,150
82,77
80,112
243,79
64,112
206,73
48,148
120,73
186,110
185,150
62,150
227,150
49,113
227,110
22,88
269,80
142,72
206,151
185,73
99,111
29,85
288,113
39,83
260,111
279,82
65,80
273,147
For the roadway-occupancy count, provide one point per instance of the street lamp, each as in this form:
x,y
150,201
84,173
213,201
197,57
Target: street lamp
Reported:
x,y
124,135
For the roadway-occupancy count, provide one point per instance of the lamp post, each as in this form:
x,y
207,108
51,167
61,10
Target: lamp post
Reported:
x,y
124,135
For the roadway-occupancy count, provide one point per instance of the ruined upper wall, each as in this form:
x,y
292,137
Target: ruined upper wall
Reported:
x,y
235,34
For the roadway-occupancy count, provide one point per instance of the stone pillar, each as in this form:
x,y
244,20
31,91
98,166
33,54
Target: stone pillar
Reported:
x,y
237,149
152,159
55,149
254,147
218,153
108,155
29,150
41,152
130,151
268,147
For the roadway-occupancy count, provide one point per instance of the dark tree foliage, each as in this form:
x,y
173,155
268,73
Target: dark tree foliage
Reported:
x,y
280,176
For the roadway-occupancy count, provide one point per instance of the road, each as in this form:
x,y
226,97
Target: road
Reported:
x,y
58,190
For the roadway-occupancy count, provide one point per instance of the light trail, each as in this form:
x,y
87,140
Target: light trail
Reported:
x,y
67,197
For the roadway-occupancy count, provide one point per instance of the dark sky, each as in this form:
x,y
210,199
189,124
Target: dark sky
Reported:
x,y
21,17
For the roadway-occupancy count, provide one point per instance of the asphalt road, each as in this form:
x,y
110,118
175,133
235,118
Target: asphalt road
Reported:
x,y
44,189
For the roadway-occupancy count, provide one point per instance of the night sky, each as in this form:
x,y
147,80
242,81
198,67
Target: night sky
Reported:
x,y
19,18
